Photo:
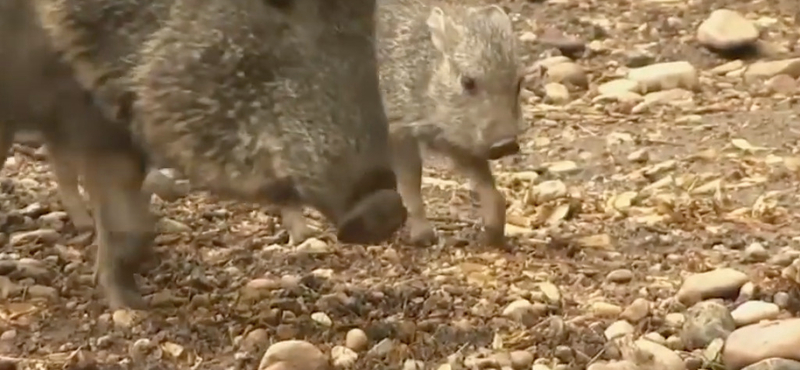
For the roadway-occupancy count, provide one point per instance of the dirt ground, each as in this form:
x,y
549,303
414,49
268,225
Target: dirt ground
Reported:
x,y
662,193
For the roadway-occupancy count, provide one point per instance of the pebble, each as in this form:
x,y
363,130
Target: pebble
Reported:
x,y
567,73
655,337
548,191
123,318
255,339
10,334
772,68
636,311
44,236
753,343
521,360
726,29
620,276
41,291
720,283
413,365
615,365
314,246
665,76
297,354
662,358
706,321
782,299
618,329
343,357
674,319
357,340
605,309
556,93
755,252
522,311
322,318
751,312
774,364
674,342
382,348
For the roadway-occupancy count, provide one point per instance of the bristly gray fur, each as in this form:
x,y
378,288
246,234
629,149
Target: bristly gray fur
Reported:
x,y
422,85
223,90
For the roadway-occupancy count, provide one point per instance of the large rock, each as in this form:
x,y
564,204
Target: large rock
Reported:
x,y
706,321
293,354
720,283
725,30
753,343
665,76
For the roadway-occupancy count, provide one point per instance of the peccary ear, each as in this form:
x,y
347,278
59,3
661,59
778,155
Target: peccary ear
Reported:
x,y
496,15
441,28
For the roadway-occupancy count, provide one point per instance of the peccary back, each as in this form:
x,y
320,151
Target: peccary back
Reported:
x,y
272,101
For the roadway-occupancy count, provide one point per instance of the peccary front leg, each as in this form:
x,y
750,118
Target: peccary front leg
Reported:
x,y
67,176
125,229
492,201
407,162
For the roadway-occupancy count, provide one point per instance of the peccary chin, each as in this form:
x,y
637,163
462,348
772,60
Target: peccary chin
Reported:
x,y
225,94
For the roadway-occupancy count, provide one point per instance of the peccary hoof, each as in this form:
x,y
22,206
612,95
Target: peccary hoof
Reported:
x,y
374,219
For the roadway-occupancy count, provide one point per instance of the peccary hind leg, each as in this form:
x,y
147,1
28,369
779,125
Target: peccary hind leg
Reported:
x,y
407,161
125,229
67,176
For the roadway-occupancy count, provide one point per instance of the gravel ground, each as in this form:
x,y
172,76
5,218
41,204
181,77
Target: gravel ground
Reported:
x,y
613,204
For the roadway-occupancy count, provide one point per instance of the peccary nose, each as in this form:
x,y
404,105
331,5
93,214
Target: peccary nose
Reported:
x,y
504,148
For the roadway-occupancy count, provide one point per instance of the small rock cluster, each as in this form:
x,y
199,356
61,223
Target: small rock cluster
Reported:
x,y
643,84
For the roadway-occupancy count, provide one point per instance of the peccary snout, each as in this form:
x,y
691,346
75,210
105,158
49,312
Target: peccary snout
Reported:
x,y
377,210
503,148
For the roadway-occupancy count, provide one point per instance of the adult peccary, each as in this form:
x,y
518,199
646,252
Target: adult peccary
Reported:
x,y
273,101
450,78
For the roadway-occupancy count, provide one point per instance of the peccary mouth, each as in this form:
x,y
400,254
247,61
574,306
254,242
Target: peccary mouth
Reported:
x,y
377,210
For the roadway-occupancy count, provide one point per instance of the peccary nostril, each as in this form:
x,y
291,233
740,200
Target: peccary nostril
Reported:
x,y
503,148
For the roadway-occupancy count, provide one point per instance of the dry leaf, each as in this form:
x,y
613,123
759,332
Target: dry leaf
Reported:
x,y
745,145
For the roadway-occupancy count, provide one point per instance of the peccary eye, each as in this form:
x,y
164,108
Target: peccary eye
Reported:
x,y
468,83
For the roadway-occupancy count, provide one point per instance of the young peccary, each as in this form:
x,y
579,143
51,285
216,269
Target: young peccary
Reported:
x,y
271,101
450,79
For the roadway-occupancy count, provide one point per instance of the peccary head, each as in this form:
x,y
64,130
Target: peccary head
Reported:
x,y
476,83
274,101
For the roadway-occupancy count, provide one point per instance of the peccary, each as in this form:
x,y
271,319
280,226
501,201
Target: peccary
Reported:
x,y
450,79
275,101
